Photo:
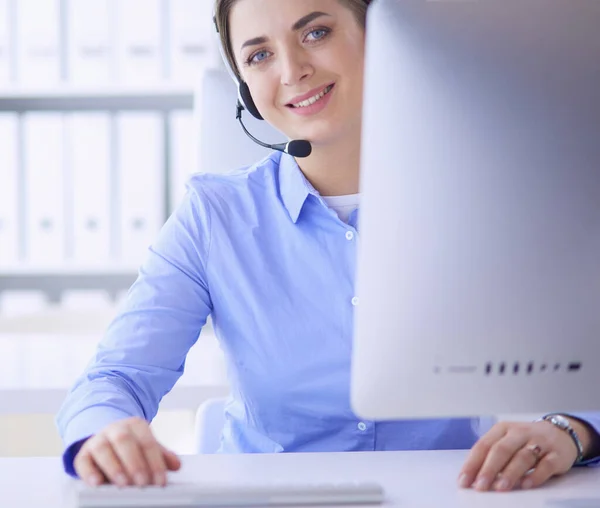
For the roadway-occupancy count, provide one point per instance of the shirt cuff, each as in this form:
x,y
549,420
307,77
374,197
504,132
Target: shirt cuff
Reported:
x,y
69,455
83,426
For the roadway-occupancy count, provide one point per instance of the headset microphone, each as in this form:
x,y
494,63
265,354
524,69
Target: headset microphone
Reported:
x,y
296,147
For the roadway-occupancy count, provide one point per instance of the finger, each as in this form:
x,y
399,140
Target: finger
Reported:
x,y
87,470
548,467
105,458
500,454
522,461
127,449
152,452
478,453
172,461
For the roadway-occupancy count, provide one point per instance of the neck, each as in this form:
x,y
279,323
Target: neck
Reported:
x,y
333,170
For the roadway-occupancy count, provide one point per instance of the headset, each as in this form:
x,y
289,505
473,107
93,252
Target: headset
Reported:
x,y
295,148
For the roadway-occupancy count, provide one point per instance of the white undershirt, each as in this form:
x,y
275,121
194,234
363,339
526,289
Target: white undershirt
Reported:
x,y
343,205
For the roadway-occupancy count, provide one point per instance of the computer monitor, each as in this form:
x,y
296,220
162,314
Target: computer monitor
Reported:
x,y
479,253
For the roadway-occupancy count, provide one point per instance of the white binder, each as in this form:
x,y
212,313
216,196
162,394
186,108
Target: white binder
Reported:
x,y
38,42
140,41
5,46
12,354
44,194
43,362
91,45
140,166
89,157
9,190
190,31
182,154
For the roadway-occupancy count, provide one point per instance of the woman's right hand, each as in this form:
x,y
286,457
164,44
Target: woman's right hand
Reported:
x,y
125,453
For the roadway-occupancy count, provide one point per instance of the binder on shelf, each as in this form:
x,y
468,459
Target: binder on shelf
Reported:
x,y
189,41
182,154
140,167
9,190
44,362
12,354
76,355
91,44
5,45
38,42
88,155
140,41
43,156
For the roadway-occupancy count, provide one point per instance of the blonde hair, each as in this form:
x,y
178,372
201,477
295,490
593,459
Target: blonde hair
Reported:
x,y
223,8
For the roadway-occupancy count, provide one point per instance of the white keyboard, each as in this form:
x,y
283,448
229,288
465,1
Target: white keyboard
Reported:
x,y
176,495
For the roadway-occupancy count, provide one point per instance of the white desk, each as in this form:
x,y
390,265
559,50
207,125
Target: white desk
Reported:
x,y
411,479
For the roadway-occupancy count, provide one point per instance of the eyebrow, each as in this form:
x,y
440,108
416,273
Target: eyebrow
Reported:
x,y
254,42
298,25
305,20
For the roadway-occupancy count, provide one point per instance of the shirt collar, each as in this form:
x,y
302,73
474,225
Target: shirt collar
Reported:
x,y
294,188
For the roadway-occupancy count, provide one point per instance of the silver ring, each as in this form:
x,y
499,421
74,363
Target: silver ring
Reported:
x,y
535,450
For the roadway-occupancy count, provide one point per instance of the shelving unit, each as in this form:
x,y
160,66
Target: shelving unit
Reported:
x,y
163,98
66,322
55,282
69,98
72,338
22,401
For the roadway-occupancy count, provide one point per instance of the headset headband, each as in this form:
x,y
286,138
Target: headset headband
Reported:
x,y
245,100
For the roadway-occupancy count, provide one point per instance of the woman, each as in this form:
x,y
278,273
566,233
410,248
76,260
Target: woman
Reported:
x,y
269,252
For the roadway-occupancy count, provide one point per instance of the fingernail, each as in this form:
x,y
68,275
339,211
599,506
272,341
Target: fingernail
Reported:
x,y
527,484
160,479
121,480
140,479
482,483
94,480
502,484
463,481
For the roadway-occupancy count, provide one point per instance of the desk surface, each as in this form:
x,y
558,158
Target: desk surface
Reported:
x,y
410,479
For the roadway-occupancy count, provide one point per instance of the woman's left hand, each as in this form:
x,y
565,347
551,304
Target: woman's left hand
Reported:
x,y
501,459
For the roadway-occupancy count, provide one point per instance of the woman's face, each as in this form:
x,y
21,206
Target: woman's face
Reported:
x,y
303,62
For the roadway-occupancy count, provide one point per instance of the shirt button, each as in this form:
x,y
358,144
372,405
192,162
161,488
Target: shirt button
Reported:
x,y
349,235
355,301
362,426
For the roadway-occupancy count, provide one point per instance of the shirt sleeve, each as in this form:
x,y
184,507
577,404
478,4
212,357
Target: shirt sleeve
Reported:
x,y
143,351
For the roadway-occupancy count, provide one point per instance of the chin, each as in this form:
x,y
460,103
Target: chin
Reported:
x,y
324,135
320,131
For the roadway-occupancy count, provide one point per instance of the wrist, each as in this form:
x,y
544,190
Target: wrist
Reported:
x,y
563,423
587,435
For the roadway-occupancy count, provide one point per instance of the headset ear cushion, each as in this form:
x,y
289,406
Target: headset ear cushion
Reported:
x,y
249,101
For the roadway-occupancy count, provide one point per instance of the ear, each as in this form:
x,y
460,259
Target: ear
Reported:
x,y
249,101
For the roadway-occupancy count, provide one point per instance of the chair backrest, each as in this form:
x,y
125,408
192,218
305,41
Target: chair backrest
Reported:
x,y
210,418
223,146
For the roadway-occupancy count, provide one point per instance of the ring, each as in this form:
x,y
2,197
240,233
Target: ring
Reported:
x,y
536,451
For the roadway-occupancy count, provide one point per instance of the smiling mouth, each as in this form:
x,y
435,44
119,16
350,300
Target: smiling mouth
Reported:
x,y
312,100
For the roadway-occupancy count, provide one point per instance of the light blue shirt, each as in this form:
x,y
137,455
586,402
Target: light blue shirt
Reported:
x,y
259,251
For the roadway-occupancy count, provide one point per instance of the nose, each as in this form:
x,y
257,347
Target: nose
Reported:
x,y
295,67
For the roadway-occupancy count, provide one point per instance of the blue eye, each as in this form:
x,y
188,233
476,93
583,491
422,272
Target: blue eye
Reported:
x,y
318,34
258,57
